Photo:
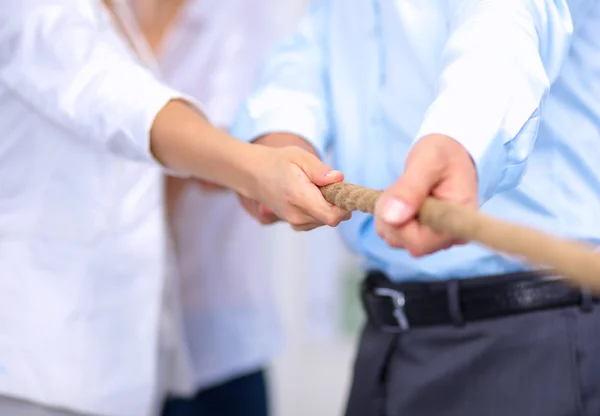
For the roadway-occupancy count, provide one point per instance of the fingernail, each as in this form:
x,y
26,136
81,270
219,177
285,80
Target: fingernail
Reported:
x,y
331,173
395,211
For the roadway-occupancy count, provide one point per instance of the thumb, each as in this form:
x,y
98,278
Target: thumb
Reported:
x,y
401,201
319,173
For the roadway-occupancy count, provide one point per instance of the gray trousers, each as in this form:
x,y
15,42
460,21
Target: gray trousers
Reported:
x,y
535,364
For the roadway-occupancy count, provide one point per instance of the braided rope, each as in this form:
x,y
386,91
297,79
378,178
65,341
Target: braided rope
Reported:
x,y
576,261
351,197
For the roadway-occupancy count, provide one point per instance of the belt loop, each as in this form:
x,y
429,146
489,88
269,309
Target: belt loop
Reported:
x,y
587,302
453,293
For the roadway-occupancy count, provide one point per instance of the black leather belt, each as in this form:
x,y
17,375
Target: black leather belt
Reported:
x,y
397,307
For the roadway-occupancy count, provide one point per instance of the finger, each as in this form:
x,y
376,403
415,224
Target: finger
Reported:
x,y
401,201
267,219
266,215
318,208
251,206
317,172
305,222
419,240
307,227
302,222
314,224
388,234
305,199
263,214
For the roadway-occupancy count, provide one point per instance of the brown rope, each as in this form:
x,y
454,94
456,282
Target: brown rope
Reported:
x,y
576,261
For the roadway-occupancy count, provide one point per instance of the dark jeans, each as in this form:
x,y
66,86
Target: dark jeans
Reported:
x,y
243,396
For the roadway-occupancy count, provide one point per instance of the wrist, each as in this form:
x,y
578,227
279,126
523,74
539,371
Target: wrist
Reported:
x,y
253,168
173,134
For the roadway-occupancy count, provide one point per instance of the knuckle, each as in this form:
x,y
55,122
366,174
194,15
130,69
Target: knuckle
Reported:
x,y
339,216
346,216
294,198
333,220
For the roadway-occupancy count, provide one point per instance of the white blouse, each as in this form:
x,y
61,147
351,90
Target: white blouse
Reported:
x,y
229,314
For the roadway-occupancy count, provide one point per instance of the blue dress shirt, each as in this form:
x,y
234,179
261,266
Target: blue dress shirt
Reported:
x,y
369,78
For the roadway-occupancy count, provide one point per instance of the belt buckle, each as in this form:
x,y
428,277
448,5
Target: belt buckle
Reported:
x,y
399,301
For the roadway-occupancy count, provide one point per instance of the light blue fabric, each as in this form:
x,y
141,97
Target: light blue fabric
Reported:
x,y
369,78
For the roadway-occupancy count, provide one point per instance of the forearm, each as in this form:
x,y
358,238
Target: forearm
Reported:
x,y
496,68
182,140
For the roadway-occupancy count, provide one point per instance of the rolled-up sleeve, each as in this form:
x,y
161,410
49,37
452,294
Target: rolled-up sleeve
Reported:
x,y
497,66
291,94
67,62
